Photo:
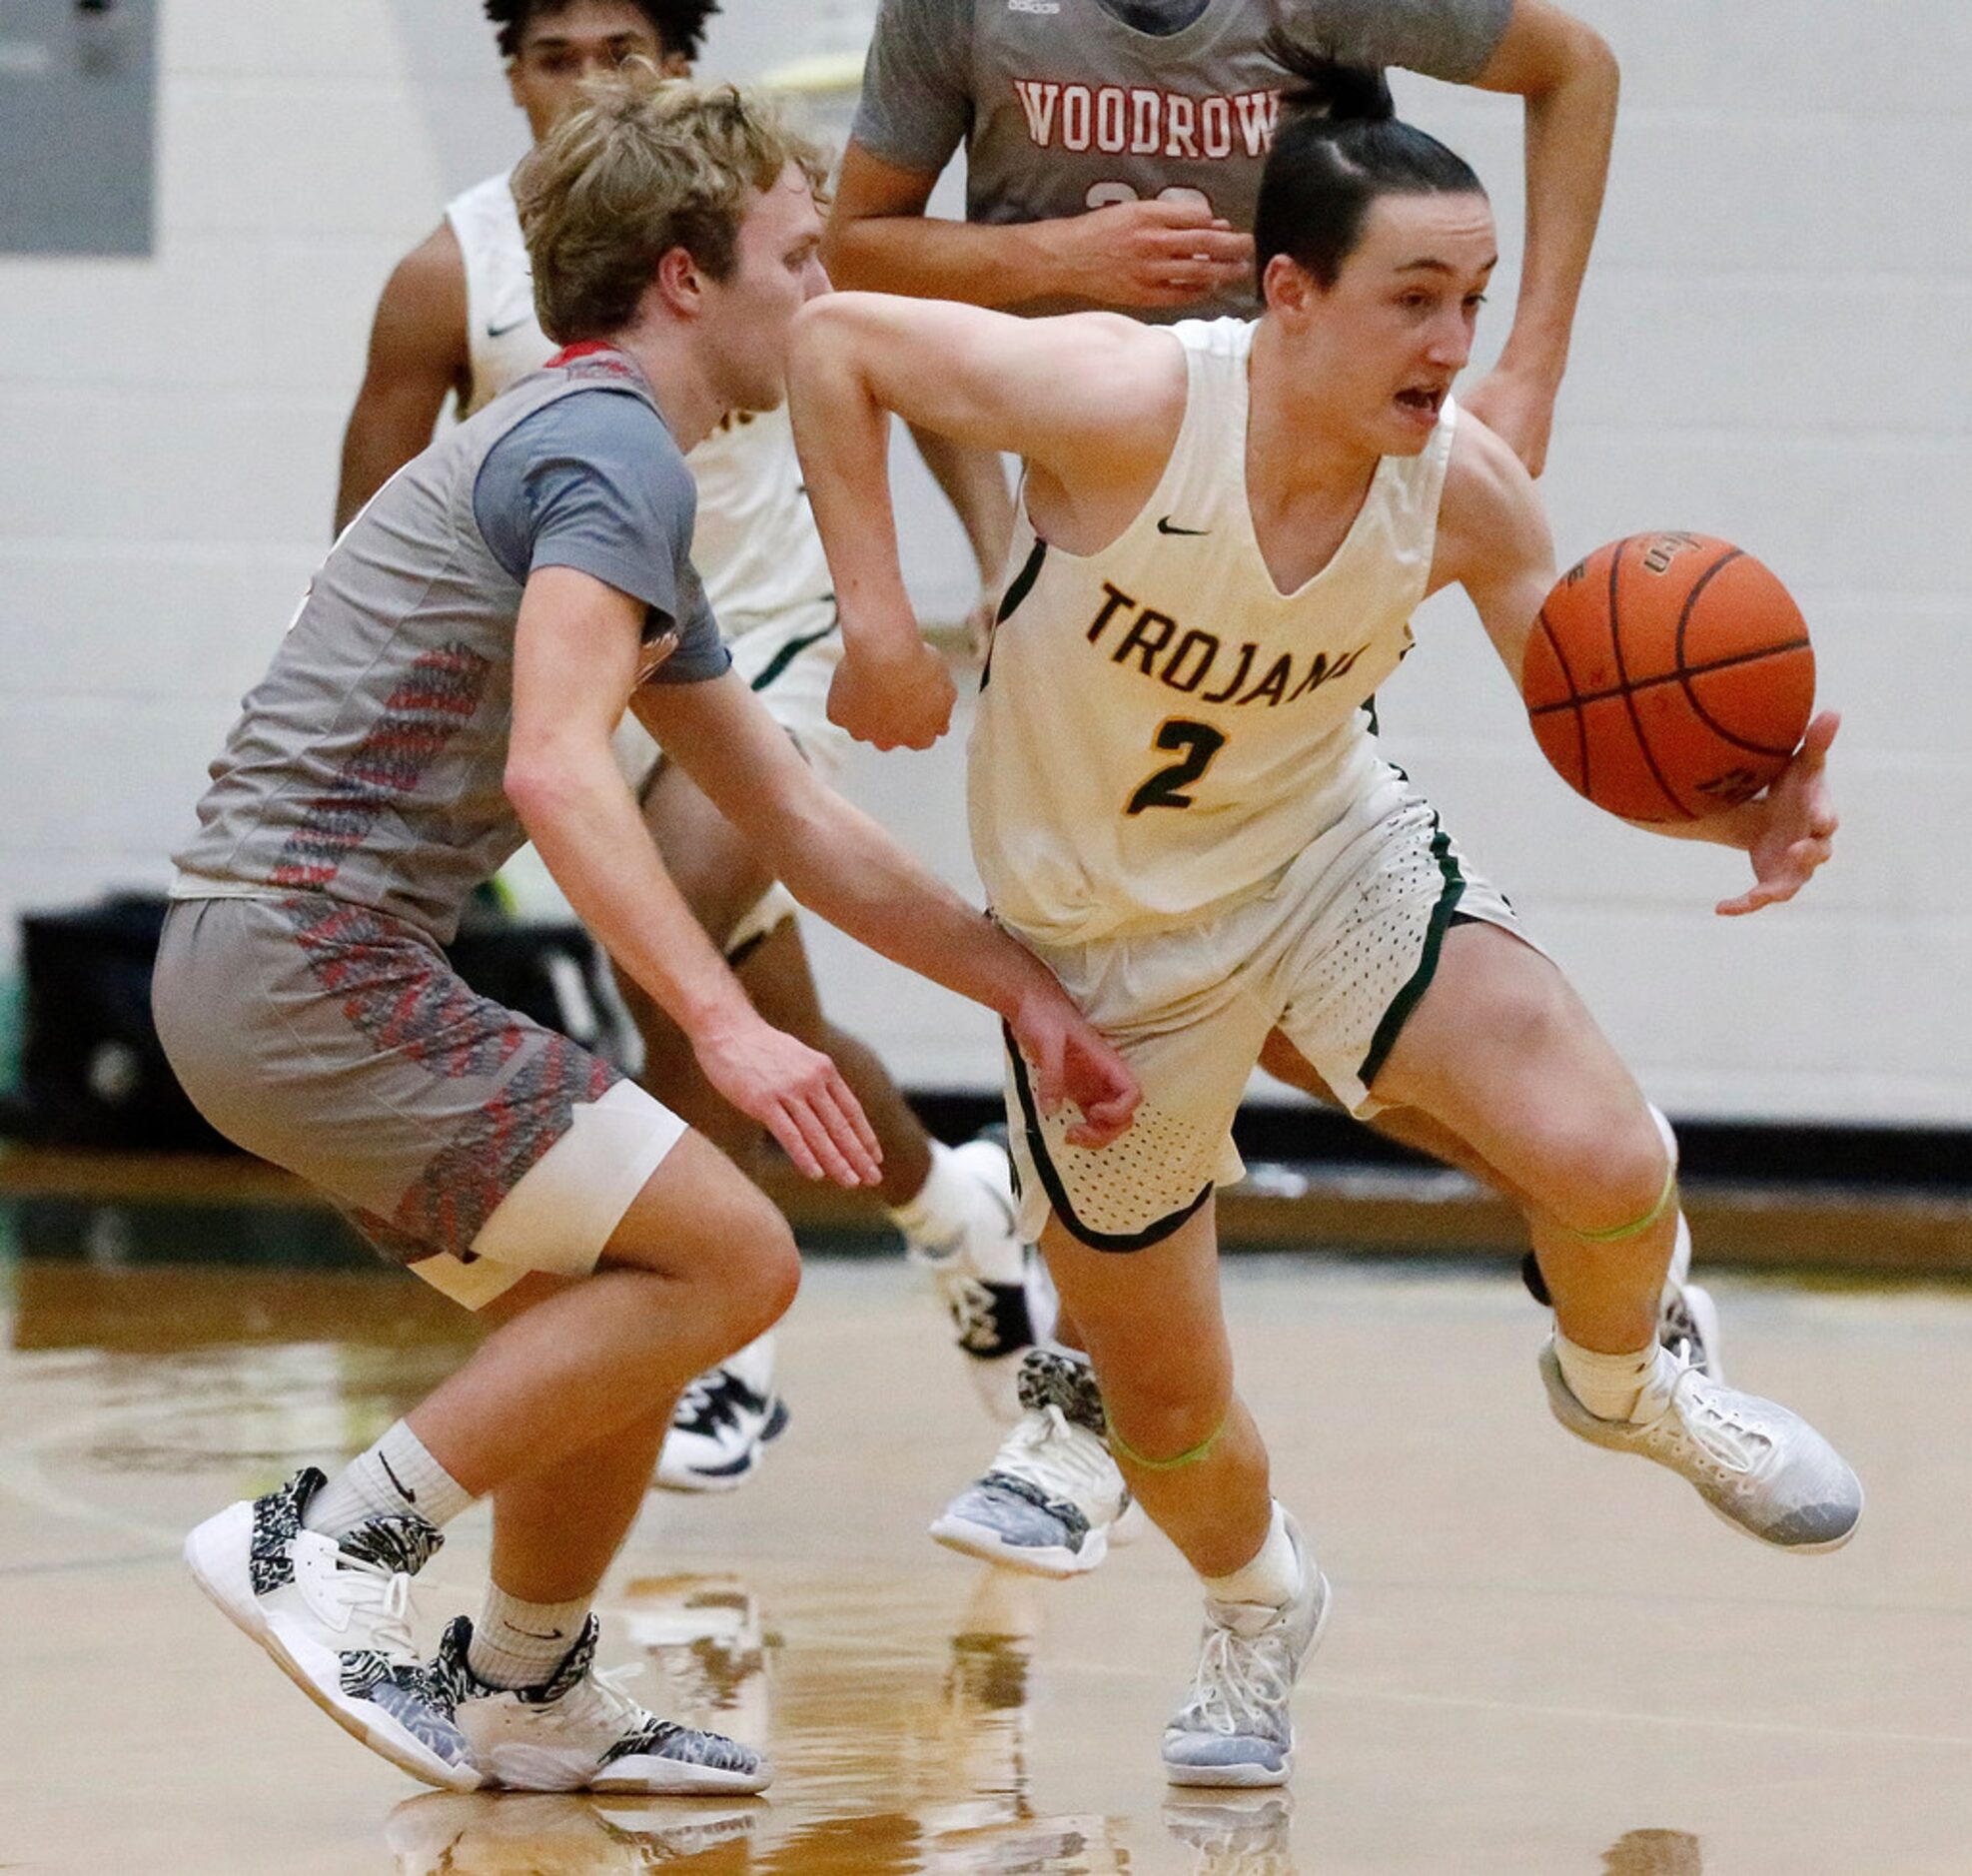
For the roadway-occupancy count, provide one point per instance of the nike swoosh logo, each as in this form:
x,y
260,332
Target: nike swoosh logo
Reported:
x,y
553,1634
403,1491
1165,527
511,325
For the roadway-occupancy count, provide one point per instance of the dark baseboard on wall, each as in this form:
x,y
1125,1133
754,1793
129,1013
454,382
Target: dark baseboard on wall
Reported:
x,y
1739,1153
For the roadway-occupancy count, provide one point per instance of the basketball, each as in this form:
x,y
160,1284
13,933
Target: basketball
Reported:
x,y
1669,676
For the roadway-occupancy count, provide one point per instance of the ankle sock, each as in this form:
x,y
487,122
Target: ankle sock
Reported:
x,y
1609,1386
395,1476
521,1644
936,1214
1271,1575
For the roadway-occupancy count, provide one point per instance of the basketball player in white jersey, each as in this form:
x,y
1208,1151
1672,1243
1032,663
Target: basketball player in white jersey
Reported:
x,y
1113,152
458,320
1178,802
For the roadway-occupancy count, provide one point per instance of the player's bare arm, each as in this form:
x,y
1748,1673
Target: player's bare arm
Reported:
x,y
1147,255
576,654
1091,401
418,358
1494,540
840,864
1568,78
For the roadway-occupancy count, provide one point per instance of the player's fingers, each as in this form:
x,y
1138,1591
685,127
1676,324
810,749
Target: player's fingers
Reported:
x,y
1220,246
788,1133
850,1124
1820,734
821,1144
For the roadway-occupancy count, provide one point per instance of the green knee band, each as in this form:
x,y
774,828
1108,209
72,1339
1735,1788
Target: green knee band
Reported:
x,y
1666,1200
1124,1450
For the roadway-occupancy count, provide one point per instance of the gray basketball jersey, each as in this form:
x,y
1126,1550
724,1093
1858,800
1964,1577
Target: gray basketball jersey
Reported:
x,y
1063,108
369,763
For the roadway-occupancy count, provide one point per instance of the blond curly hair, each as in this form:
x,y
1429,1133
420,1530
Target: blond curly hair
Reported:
x,y
650,163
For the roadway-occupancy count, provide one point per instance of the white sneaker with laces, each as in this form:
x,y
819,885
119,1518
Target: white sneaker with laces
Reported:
x,y
724,1423
1236,1726
1760,1466
580,1731
335,1618
1052,1500
994,1286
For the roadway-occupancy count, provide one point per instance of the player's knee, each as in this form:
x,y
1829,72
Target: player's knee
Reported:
x,y
1168,1415
1605,1171
758,1278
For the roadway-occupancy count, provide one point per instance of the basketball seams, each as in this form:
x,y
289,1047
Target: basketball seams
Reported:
x,y
1574,702
1684,673
1678,676
1628,696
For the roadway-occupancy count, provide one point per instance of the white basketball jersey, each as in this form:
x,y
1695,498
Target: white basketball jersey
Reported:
x,y
756,545
1160,728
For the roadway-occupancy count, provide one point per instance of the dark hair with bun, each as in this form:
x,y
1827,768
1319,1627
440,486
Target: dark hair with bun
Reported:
x,y
1338,147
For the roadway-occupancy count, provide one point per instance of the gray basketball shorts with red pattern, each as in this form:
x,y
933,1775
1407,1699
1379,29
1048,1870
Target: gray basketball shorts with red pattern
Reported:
x,y
337,1041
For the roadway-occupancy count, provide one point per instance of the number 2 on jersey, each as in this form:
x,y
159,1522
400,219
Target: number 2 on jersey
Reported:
x,y
1165,790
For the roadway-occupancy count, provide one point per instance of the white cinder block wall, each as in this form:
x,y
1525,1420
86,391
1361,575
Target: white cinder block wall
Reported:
x,y
1768,350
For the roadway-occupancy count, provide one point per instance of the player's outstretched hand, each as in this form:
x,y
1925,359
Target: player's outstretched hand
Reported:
x,y
1072,1063
1518,410
1164,253
895,702
798,1095
1790,830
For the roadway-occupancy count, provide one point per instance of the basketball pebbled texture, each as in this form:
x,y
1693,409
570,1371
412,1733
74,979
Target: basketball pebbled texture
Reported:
x,y
1667,676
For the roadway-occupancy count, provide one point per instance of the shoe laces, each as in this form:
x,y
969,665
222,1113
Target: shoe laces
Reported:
x,y
380,1600
598,1699
709,1405
1048,1450
1240,1684
1727,1438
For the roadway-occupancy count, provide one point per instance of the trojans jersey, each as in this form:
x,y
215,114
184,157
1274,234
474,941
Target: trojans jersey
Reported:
x,y
1161,730
756,545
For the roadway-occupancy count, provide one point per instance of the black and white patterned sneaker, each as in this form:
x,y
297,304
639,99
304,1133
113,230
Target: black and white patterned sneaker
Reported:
x,y
994,1286
335,1618
1052,1500
579,1731
724,1423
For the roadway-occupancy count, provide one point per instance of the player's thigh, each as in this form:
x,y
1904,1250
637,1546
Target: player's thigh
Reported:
x,y
1501,1051
1151,1318
780,981
708,857
698,1219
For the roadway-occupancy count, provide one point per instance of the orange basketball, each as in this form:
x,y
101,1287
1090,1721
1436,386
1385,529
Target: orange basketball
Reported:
x,y
1669,676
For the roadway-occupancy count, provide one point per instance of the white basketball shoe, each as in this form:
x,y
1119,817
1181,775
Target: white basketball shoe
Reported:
x,y
1760,1466
579,1731
1236,1726
1052,1500
724,1421
335,1618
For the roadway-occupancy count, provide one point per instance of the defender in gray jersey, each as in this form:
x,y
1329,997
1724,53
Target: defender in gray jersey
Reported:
x,y
449,688
1231,525
457,320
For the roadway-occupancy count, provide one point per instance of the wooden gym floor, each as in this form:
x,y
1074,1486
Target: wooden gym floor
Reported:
x,y
1544,1658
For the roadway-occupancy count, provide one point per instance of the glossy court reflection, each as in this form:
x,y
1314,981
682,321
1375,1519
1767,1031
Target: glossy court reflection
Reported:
x,y
1540,1664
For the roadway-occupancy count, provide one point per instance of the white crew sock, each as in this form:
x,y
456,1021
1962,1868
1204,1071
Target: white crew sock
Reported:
x,y
936,1215
395,1477
519,1644
1609,1386
956,1209
1272,1576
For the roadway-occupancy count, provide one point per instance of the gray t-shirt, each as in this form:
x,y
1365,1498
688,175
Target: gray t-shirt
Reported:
x,y
1062,106
370,762
597,484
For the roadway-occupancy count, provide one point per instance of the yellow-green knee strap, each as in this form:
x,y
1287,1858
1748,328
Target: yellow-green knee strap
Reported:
x,y
1666,1200
1124,1450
